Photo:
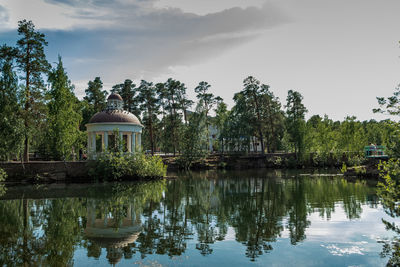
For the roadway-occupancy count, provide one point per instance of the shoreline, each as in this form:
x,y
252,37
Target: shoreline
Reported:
x,y
77,171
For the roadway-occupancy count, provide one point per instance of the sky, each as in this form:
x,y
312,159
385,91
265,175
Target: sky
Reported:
x,y
340,55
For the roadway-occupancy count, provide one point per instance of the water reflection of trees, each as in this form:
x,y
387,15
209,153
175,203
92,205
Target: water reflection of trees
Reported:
x,y
163,217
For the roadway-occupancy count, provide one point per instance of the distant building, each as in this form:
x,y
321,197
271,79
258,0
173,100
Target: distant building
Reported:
x,y
213,139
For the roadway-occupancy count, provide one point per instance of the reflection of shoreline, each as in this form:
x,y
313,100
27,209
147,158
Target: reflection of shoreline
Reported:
x,y
61,190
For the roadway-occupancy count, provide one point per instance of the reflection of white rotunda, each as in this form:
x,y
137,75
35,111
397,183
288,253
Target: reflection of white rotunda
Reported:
x,y
103,124
105,234
112,233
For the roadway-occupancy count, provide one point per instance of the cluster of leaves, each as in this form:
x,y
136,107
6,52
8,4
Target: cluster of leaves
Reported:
x,y
195,143
389,193
256,118
3,177
115,166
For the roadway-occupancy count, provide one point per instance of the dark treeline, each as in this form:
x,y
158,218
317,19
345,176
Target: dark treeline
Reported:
x,y
170,215
39,112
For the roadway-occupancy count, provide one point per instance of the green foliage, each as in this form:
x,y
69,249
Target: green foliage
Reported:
x,y
32,62
150,106
255,118
274,119
389,190
389,105
391,132
195,142
237,129
93,102
63,135
333,142
127,91
145,166
206,100
95,95
116,143
220,120
252,96
356,160
3,177
11,122
389,193
115,166
296,125
173,98
344,168
360,170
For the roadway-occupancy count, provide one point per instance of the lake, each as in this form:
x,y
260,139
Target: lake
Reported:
x,y
215,218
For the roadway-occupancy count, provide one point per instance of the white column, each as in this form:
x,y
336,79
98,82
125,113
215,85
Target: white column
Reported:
x,y
105,141
102,143
139,141
88,142
129,142
94,142
122,142
133,142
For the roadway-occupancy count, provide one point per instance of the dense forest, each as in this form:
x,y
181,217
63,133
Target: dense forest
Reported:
x,y
39,112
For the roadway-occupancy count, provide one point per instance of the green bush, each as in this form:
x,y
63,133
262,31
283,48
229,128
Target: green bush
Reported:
x,y
356,160
3,175
115,166
278,162
344,168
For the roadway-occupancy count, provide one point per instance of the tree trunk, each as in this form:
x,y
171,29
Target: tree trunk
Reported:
x,y
27,104
271,126
151,131
26,148
259,123
185,115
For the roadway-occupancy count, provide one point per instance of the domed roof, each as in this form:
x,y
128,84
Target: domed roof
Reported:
x,y
115,96
120,116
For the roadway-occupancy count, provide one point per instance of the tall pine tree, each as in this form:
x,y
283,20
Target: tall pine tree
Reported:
x,y
63,114
150,105
32,63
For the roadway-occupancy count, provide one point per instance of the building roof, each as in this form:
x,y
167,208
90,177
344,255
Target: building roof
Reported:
x,y
120,116
115,96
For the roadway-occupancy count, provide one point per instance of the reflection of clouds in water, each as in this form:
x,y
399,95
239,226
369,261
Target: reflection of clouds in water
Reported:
x,y
230,234
148,263
347,249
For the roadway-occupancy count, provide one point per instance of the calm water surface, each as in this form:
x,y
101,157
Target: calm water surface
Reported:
x,y
266,218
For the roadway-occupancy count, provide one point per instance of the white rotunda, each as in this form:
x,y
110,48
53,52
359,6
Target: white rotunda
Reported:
x,y
104,124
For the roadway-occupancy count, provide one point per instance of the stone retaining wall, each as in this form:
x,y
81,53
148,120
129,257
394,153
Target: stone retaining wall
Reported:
x,y
53,170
